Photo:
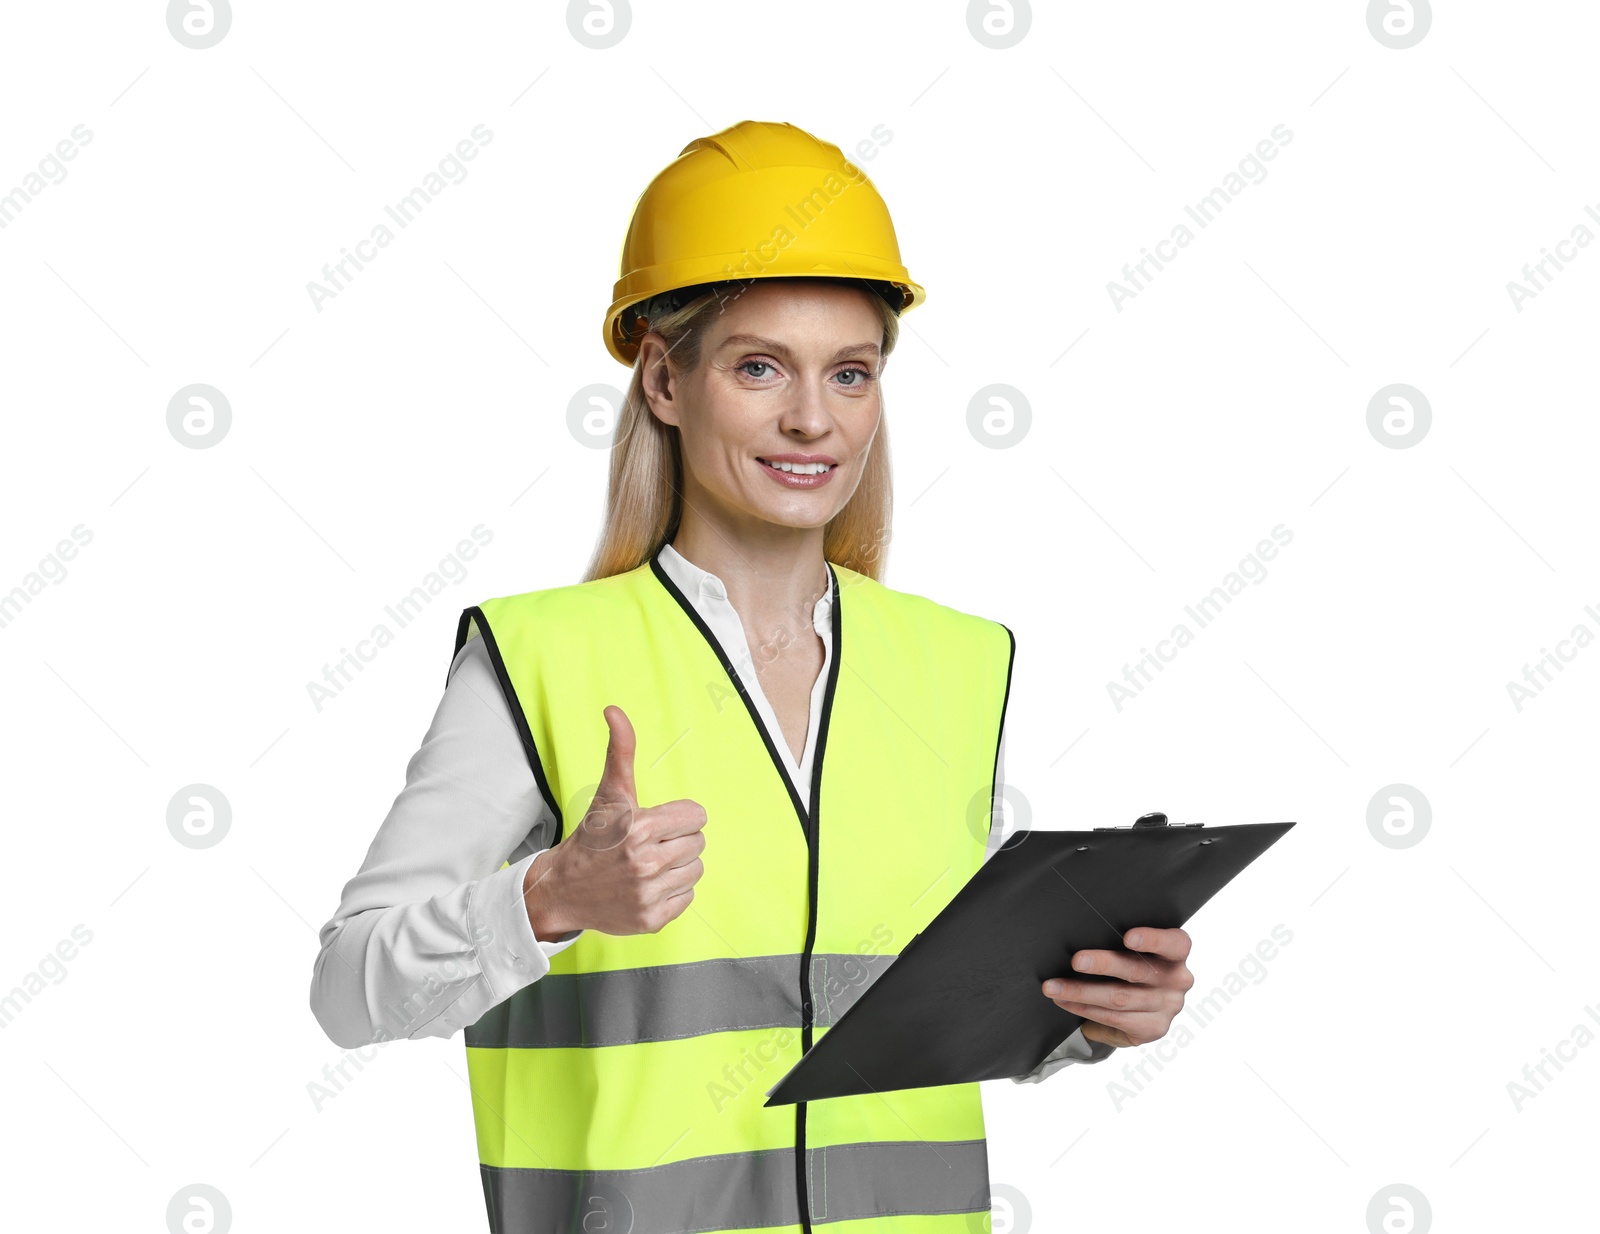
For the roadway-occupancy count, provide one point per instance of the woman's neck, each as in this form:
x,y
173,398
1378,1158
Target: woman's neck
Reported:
x,y
771,583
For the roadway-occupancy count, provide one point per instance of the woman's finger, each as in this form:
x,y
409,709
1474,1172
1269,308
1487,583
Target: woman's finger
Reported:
x,y
1127,965
1168,944
1107,1036
1139,1026
1115,996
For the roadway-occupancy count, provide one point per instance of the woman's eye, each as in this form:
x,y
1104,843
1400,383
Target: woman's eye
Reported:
x,y
861,376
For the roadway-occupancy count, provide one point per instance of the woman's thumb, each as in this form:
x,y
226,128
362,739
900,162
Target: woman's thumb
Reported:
x,y
616,779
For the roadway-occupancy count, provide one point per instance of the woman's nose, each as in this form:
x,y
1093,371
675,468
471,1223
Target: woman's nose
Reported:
x,y
806,408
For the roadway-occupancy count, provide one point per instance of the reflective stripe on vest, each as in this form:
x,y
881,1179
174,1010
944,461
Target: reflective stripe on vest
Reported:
x,y
624,1090
675,1000
748,1191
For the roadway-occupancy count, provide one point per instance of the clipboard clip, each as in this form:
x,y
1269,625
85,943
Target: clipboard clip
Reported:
x,y
1154,819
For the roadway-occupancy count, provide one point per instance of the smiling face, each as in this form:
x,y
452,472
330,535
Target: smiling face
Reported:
x,y
777,419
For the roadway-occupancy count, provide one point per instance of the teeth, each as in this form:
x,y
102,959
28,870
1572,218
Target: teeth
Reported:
x,y
802,469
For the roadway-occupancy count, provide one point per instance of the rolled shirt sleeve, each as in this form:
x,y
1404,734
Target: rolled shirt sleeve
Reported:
x,y
1075,1049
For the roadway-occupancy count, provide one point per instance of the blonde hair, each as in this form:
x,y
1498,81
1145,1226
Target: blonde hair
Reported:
x,y
644,496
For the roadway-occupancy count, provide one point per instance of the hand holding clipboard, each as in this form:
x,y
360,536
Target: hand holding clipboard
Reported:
x,y
977,969
1128,993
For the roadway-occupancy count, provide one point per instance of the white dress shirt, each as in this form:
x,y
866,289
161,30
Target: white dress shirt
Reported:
x,y
423,943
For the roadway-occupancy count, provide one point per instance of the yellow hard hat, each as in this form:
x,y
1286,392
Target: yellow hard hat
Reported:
x,y
757,200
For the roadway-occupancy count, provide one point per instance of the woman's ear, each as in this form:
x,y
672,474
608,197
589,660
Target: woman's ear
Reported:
x,y
657,382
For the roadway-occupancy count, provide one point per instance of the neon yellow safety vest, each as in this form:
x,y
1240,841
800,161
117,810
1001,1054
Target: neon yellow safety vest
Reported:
x,y
622,1093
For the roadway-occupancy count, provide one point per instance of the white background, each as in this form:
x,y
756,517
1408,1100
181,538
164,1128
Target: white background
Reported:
x,y
429,396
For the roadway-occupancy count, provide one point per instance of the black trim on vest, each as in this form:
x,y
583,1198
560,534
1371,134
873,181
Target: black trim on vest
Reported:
x,y
812,836
514,706
1011,659
808,822
693,614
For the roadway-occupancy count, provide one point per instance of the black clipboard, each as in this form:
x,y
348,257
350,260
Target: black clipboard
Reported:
x,y
961,1002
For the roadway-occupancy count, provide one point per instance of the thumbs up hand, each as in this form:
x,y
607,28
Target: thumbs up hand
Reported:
x,y
625,869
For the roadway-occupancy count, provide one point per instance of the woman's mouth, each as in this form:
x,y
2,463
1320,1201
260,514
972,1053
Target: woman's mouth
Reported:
x,y
799,475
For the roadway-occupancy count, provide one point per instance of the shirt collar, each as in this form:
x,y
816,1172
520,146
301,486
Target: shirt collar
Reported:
x,y
693,581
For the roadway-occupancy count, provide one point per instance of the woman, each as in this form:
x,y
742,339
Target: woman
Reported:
x,y
731,668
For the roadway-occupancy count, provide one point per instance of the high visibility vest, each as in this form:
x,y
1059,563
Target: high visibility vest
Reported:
x,y
623,1091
